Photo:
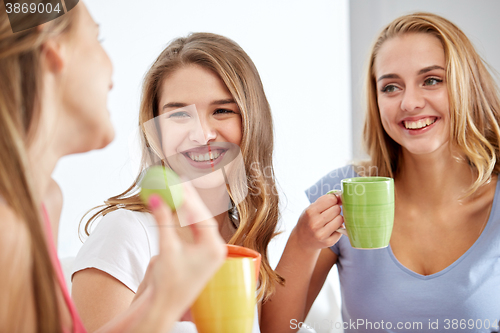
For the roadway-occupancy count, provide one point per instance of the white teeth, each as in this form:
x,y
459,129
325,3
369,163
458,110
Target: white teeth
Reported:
x,y
420,123
204,158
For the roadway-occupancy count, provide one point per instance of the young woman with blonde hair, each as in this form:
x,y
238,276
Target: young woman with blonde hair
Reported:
x,y
208,79
53,92
432,124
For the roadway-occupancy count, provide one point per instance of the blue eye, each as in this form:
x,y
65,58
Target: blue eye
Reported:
x,y
223,111
432,81
389,88
180,114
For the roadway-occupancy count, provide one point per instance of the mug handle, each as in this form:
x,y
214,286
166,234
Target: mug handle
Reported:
x,y
342,231
337,193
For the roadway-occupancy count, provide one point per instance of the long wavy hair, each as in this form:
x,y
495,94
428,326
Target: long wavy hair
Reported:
x,y
473,94
20,70
257,215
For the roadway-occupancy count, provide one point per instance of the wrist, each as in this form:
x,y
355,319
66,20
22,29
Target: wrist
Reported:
x,y
303,248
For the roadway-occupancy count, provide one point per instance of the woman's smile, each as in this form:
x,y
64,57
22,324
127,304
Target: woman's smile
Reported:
x,y
419,125
204,157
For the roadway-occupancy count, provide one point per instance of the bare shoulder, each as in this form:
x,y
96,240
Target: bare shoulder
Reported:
x,y
15,244
13,232
54,192
53,200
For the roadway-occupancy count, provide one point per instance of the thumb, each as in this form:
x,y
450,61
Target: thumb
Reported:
x,y
337,194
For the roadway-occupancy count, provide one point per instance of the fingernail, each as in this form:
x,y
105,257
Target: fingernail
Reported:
x,y
154,201
334,192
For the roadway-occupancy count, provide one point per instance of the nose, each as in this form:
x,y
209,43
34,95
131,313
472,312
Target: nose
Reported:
x,y
203,132
412,99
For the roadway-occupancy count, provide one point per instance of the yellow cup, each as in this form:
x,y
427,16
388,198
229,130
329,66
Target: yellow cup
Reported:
x,y
227,303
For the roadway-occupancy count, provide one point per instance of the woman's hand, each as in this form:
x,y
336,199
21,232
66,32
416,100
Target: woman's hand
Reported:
x,y
317,225
177,275
303,265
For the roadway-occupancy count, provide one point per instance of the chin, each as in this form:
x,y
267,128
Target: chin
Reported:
x,y
107,140
210,181
99,142
425,149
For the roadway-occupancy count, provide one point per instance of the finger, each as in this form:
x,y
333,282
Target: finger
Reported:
x,y
195,210
329,214
324,202
333,225
166,228
338,194
195,232
333,239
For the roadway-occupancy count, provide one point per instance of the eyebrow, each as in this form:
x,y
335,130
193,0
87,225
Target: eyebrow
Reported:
x,y
420,72
428,69
388,76
223,101
174,105
181,105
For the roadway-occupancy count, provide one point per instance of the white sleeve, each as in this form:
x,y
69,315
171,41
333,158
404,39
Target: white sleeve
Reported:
x,y
119,246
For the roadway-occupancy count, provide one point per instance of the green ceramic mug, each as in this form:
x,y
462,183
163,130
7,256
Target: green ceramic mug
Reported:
x,y
368,207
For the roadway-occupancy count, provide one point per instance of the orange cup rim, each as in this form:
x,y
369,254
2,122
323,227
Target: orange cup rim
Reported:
x,y
242,251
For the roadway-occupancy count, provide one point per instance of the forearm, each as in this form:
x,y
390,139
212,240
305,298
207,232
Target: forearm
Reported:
x,y
288,302
148,313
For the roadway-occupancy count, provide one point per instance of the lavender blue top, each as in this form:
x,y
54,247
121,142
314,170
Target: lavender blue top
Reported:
x,y
379,294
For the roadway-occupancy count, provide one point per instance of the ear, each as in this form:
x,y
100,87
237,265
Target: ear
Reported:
x,y
53,58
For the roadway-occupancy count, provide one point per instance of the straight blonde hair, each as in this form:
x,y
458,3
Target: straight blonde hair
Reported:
x,y
20,85
473,94
257,215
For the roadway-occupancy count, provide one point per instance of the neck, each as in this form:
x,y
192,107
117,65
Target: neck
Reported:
x,y
45,149
433,179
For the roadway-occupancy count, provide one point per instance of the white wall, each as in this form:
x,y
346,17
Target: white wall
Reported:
x,y
478,19
302,53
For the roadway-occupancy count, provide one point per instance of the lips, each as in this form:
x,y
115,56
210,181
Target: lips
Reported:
x,y
418,123
203,157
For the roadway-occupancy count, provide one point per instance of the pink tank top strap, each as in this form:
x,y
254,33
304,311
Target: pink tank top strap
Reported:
x,y
77,323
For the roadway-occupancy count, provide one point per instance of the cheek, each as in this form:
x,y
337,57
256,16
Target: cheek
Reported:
x,y
385,118
443,104
388,110
171,139
232,132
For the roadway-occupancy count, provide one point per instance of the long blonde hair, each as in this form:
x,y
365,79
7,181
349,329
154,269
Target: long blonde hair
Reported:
x,y
473,94
258,214
20,70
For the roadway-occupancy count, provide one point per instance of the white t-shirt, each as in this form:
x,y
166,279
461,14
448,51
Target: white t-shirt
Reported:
x,y
122,245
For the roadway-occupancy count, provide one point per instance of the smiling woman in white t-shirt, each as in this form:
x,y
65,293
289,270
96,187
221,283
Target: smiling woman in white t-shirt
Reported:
x,y
204,114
